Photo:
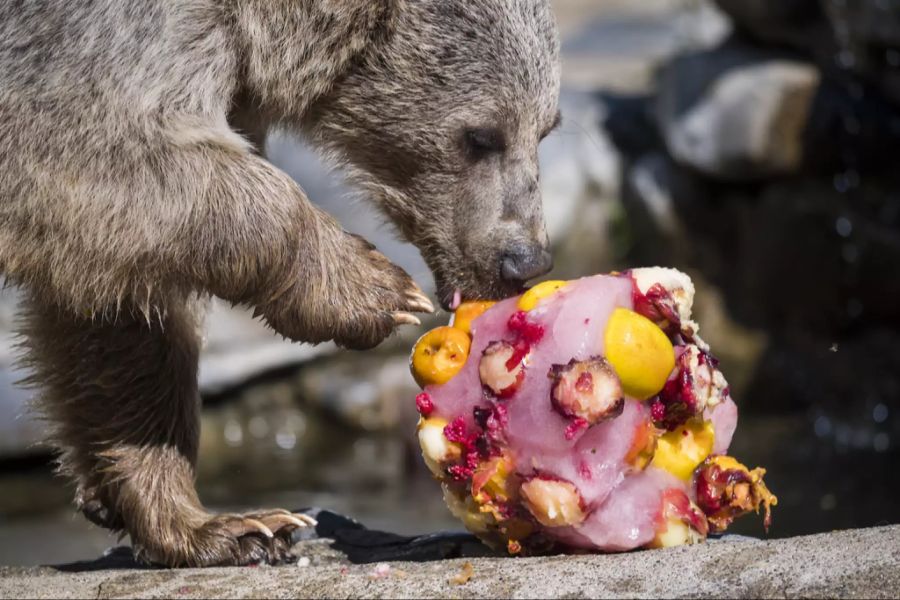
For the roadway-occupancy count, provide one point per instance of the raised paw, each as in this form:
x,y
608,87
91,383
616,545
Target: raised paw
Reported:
x,y
359,300
230,540
378,297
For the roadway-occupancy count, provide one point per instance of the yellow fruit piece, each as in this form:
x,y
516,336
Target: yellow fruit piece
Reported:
x,y
439,355
640,352
489,483
728,463
677,533
468,312
681,451
532,297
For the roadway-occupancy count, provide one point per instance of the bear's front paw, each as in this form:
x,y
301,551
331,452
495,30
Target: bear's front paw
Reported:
x,y
226,540
357,302
374,296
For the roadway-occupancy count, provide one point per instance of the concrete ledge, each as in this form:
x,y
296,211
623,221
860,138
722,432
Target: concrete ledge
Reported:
x,y
850,564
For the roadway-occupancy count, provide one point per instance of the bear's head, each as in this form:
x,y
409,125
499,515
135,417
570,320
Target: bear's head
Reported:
x,y
439,120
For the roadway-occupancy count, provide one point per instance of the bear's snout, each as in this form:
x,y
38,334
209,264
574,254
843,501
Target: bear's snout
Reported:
x,y
522,263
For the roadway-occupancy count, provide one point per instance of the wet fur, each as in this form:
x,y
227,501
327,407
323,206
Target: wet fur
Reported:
x,y
132,184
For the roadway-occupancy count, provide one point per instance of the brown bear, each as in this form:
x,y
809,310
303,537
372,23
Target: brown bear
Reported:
x,y
132,186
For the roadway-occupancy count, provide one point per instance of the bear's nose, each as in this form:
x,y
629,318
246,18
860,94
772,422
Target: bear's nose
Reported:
x,y
522,264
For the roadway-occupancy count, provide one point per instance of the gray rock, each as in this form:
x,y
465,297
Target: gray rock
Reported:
x,y
851,564
736,113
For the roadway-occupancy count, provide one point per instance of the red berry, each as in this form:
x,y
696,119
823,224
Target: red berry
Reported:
x,y
424,404
528,332
456,430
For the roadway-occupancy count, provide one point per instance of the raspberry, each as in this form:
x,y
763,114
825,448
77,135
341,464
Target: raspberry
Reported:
x,y
424,404
456,431
659,306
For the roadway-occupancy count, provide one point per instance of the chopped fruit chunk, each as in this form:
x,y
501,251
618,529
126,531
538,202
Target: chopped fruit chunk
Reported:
x,y
502,368
681,451
643,446
492,421
532,297
588,390
658,305
493,486
468,312
663,295
437,450
466,510
726,489
681,522
439,355
697,385
640,352
552,502
676,533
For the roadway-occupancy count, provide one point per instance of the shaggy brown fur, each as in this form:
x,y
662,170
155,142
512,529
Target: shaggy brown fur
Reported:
x,y
131,183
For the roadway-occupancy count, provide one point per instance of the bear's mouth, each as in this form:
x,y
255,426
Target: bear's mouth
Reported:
x,y
457,299
451,296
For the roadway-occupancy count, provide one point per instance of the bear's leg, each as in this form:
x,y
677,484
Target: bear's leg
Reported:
x,y
121,398
205,218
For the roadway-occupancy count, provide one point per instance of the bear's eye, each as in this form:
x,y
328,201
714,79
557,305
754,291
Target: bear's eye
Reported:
x,y
481,142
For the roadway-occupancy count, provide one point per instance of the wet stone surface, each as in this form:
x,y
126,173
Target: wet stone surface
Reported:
x,y
851,564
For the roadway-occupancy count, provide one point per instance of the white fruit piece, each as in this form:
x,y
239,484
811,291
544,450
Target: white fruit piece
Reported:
x,y
553,503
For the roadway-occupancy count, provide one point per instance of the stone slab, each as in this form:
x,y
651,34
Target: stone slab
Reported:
x,y
861,563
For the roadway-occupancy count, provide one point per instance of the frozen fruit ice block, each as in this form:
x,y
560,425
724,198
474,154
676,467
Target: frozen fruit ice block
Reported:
x,y
583,415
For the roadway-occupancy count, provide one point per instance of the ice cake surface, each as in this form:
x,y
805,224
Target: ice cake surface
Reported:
x,y
584,414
